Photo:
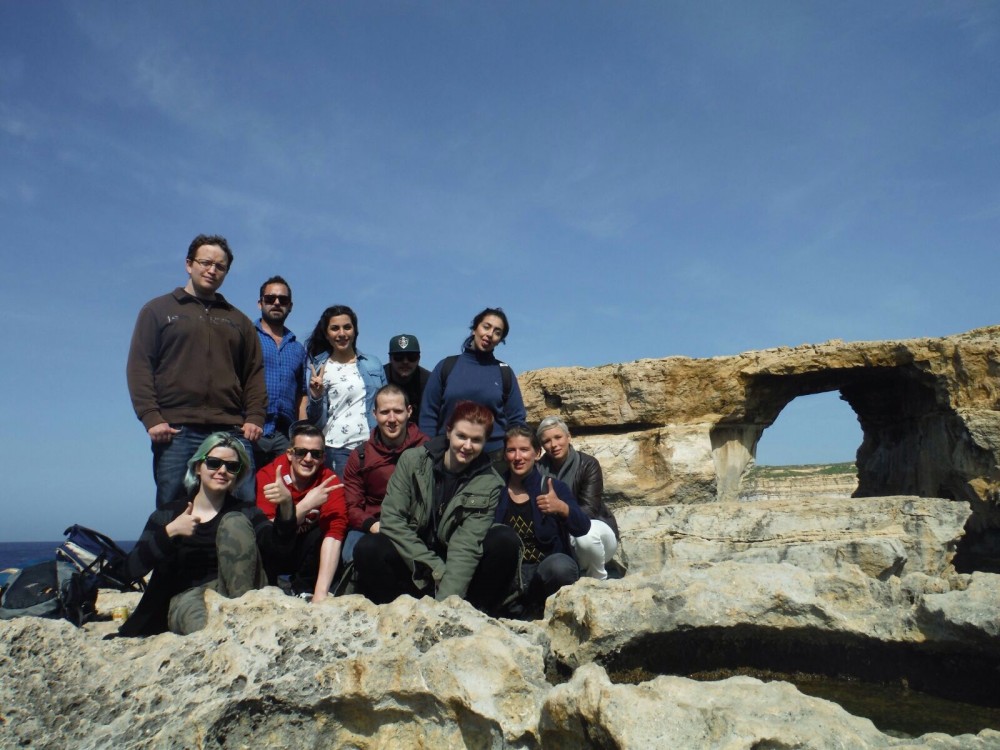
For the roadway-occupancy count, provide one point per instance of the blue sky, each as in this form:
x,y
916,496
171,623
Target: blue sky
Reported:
x,y
627,180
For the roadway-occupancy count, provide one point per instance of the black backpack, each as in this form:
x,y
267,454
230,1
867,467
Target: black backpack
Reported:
x,y
93,553
54,589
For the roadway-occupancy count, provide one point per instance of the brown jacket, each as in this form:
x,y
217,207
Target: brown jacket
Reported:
x,y
195,362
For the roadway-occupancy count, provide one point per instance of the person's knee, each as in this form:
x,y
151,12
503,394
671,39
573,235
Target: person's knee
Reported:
x,y
239,560
235,528
187,612
559,570
501,541
589,549
374,554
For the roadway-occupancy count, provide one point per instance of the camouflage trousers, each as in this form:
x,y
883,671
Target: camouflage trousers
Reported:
x,y
240,570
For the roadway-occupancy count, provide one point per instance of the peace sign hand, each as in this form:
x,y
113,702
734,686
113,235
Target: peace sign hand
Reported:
x,y
318,494
316,380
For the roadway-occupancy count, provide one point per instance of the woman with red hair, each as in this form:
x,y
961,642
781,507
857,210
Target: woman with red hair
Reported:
x,y
438,506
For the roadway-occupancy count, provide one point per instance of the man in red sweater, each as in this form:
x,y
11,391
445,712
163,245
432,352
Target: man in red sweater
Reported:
x,y
369,466
318,496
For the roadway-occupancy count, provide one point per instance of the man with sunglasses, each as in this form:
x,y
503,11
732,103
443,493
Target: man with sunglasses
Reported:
x,y
404,368
195,368
284,365
318,496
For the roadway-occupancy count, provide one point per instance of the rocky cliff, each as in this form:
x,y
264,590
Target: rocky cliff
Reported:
x,y
855,587
787,482
680,430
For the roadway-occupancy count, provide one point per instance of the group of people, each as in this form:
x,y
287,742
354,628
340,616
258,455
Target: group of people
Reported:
x,y
385,480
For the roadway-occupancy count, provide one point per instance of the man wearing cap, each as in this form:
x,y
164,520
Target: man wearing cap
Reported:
x,y
284,368
404,368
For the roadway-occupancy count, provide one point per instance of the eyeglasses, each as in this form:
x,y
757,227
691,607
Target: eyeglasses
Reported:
x,y
404,357
207,264
214,464
316,453
276,299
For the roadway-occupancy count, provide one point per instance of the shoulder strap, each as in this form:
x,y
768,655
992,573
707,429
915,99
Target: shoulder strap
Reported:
x,y
507,377
447,365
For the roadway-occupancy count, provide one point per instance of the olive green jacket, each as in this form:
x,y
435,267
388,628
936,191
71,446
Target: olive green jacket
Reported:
x,y
407,519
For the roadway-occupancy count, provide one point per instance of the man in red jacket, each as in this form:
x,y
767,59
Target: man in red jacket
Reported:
x,y
318,496
369,466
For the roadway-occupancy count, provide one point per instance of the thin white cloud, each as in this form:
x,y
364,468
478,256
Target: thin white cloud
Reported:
x,y
17,123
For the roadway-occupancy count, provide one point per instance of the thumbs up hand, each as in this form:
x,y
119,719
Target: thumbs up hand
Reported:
x,y
549,502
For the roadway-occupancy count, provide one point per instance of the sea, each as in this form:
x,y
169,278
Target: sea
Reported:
x,y
20,554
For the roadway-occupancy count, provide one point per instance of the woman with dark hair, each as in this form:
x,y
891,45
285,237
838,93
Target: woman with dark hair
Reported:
x,y
210,541
475,375
342,385
536,519
583,474
438,506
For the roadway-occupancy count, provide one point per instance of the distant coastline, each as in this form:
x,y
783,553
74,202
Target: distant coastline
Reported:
x,y
18,554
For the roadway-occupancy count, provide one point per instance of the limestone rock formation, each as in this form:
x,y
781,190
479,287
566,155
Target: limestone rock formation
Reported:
x,y
884,536
272,671
680,430
710,585
741,712
798,482
595,621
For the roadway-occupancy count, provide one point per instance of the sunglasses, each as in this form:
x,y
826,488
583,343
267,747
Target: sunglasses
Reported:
x,y
276,299
401,357
316,453
214,464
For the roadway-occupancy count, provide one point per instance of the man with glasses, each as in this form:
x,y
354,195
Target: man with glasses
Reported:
x,y
318,496
194,368
404,368
284,368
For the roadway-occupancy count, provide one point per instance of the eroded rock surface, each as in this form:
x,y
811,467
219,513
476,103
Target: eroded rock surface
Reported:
x,y
738,713
882,535
680,430
271,671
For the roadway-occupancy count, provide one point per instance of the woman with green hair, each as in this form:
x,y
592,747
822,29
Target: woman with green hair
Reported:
x,y
212,540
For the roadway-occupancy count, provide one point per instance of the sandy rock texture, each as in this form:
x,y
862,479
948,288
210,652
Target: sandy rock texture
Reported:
x,y
681,430
734,714
272,671
882,535
862,585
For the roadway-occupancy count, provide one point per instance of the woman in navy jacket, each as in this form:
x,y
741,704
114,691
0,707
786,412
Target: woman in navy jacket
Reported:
x,y
536,518
475,375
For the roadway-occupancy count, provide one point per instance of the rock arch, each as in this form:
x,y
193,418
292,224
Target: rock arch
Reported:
x,y
685,430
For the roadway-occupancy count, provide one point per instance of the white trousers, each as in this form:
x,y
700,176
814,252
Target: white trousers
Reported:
x,y
594,549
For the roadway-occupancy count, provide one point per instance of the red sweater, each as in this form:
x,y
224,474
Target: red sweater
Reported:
x,y
332,515
365,486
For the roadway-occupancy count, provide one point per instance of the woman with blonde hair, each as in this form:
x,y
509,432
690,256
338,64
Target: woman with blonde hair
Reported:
x,y
583,474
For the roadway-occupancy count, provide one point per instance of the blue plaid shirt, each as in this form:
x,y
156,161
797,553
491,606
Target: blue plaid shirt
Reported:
x,y
284,374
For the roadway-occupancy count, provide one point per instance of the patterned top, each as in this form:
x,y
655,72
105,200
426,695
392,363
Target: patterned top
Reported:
x,y
346,424
519,519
